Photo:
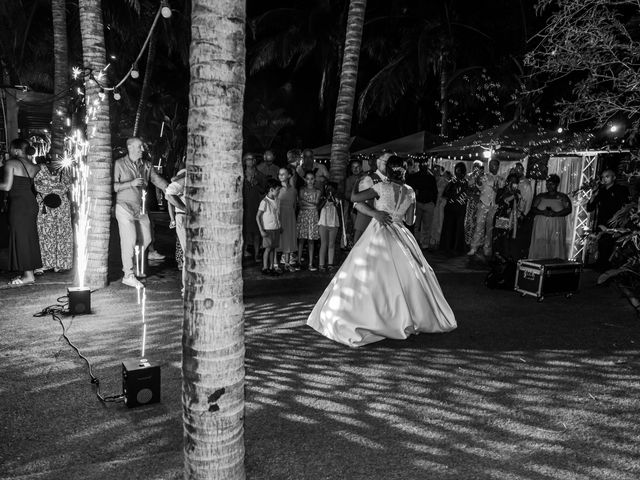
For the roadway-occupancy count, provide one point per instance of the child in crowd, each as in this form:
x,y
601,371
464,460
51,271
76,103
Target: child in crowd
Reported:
x,y
328,225
307,224
268,220
288,199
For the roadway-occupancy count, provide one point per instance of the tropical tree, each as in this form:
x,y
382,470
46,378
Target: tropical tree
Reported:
x,y
309,37
595,44
60,77
347,94
429,57
99,137
213,335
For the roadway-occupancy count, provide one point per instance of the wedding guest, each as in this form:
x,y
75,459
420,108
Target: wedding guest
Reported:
x,y
267,167
452,238
253,189
131,176
175,196
426,189
438,211
54,218
508,212
309,164
473,198
328,226
355,167
24,245
288,198
550,210
307,223
268,220
4,211
488,184
607,197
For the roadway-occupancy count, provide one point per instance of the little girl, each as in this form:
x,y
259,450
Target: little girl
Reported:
x,y
307,224
328,225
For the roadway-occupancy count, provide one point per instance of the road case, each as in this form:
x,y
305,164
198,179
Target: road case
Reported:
x,y
550,276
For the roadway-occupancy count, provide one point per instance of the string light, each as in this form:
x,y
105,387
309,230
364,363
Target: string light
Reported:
x,y
116,95
134,71
165,9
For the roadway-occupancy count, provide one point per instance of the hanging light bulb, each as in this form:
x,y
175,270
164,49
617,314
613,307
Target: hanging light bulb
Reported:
x,y
165,9
134,71
116,95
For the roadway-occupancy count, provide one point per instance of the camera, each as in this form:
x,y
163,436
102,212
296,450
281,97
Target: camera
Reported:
x,y
40,159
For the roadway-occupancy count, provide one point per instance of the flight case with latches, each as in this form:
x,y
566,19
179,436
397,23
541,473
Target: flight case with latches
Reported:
x,y
543,277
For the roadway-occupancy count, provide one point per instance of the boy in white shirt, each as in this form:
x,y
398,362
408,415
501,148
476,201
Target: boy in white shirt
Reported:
x,y
268,219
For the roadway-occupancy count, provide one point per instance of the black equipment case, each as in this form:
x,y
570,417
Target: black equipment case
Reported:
x,y
551,276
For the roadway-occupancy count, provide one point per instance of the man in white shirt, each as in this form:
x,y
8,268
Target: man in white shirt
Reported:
x,y
488,183
526,189
362,220
131,175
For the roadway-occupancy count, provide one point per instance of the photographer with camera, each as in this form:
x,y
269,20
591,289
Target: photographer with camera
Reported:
x,y
607,197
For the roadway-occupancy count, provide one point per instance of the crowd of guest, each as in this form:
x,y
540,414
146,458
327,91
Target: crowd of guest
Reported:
x,y
287,211
35,214
295,217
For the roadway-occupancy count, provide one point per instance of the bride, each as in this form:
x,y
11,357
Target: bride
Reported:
x,y
385,288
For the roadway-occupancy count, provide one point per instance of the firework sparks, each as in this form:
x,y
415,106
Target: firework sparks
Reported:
x,y
75,157
144,322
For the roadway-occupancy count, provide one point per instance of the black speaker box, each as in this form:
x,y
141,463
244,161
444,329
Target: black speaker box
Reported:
x,y
140,382
79,300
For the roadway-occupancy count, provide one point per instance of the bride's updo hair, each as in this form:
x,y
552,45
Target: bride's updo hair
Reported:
x,y
396,169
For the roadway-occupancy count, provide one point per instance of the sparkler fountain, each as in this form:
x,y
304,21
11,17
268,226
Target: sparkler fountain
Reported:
x,y
75,157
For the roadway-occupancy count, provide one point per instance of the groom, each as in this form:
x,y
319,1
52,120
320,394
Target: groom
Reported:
x,y
368,181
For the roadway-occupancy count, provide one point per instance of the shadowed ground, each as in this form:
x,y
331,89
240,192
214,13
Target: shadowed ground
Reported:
x,y
520,390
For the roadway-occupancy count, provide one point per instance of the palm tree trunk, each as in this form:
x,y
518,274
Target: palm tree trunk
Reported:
x,y
346,97
99,136
60,77
213,329
151,55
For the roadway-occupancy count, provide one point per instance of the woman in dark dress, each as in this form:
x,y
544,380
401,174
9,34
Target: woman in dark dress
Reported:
x,y
452,238
4,221
24,245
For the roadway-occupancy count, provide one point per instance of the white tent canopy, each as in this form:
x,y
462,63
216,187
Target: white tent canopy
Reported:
x,y
413,143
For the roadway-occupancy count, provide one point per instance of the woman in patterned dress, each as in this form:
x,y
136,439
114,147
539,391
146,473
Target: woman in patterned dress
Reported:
x,y
54,222
307,224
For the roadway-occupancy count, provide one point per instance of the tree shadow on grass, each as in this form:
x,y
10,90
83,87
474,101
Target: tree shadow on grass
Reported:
x,y
520,390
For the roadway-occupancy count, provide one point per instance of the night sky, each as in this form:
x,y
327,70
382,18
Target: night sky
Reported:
x,y
478,44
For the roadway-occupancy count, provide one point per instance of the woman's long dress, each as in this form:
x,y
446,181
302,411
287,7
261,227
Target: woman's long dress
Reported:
x,y
288,238
549,237
24,245
438,214
385,288
54,224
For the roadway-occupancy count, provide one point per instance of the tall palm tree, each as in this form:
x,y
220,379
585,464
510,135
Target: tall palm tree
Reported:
x,y
309,36
213,334
60,77
99,136
432,49
347,94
